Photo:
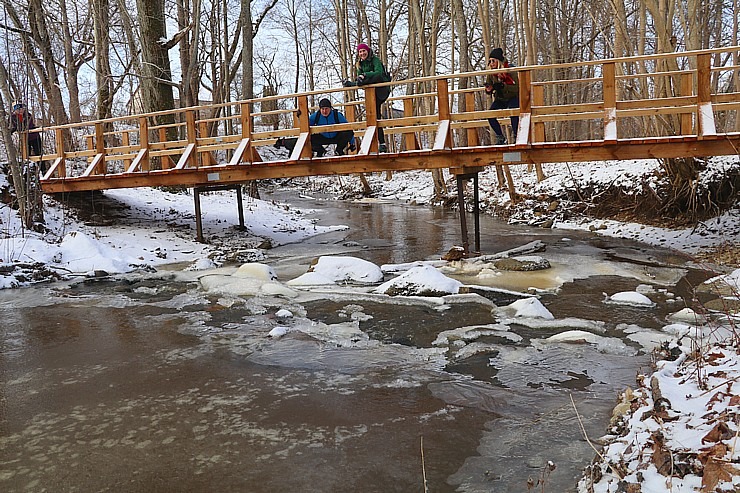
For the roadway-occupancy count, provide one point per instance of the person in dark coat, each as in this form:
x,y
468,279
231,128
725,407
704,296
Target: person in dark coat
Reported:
x,y
370,70
504,87
330,116
22,121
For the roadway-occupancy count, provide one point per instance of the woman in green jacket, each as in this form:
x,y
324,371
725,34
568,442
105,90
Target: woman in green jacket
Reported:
x,y
370,70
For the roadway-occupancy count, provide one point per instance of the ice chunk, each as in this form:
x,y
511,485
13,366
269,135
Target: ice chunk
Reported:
x,y
343,269
256,271
529,308
632,298
420,281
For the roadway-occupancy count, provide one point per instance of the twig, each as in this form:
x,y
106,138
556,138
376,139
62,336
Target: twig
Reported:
x,y
585,435
423,467
717,386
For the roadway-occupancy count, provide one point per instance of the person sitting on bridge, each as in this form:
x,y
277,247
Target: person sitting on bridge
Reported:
x,y
330,116
22,121
504,87
370,70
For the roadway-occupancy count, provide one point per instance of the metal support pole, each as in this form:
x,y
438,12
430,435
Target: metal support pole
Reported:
x,y
198,223
461,206
240,206
476,213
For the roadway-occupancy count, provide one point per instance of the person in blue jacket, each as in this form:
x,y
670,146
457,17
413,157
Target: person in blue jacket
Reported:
x,y
330,116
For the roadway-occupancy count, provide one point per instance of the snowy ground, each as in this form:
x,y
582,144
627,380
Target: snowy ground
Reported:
x,y
677,431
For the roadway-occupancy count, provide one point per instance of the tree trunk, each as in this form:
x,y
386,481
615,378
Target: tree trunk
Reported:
x,y
156,76
30,206
71,67
103,75
44,66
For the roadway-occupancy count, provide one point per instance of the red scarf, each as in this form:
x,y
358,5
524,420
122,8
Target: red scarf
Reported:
x,y
505,77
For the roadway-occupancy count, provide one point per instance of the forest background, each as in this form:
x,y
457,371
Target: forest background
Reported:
x,y
71,60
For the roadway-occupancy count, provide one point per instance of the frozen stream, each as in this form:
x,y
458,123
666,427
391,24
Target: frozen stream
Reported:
x,y
153,383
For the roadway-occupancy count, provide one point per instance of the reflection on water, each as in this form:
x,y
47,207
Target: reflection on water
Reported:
x,y
151,383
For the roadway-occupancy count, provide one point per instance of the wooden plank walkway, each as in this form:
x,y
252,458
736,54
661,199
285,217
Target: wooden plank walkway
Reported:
x,y
626,114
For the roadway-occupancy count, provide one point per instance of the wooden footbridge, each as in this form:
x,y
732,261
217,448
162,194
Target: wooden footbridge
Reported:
x,y
676,105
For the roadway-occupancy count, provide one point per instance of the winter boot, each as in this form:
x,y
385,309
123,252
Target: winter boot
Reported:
x,y
500,140
382,148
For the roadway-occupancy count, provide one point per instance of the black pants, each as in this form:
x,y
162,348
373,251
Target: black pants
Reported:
x,y
34,149
34,145
381,95
341,139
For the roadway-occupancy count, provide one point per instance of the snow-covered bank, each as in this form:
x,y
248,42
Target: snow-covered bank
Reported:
x,y
145,228
677,431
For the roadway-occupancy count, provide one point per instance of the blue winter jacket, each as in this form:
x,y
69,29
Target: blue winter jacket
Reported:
x,y
317,119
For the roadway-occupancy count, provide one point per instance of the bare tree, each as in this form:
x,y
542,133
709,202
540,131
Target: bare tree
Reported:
x,y
156,75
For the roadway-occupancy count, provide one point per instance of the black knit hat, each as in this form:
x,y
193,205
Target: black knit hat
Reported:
x,y
325,103
497,53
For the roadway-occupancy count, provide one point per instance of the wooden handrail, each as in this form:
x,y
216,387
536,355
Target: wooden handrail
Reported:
x,y
183,144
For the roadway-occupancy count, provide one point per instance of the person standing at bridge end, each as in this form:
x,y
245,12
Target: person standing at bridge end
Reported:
x,y
504,87
21,121
330,116
370,70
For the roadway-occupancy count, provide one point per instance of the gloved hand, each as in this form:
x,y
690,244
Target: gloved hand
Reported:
x,y
498,86
349,83
489,88
360,79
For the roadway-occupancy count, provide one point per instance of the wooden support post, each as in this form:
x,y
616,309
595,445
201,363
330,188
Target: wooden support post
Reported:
x,y
510,180
471,133
411,139
538,99
705,113
125,141
371,117
609,82
100,149
90,145
303,146
444,138
687,89
145,164
61,169
523,136
247,122
191,137
206,158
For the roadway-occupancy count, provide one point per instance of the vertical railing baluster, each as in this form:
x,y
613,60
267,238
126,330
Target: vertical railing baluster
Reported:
x,y
144,142
101,168
192,137
609,83
304,125
705,113
61,171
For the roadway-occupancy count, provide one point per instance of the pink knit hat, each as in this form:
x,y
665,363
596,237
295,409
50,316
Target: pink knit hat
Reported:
x,y
363,46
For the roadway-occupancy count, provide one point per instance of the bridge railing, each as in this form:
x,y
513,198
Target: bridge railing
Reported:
x,y
675,96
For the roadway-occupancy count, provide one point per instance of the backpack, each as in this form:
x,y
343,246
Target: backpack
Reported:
x,y
318,114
